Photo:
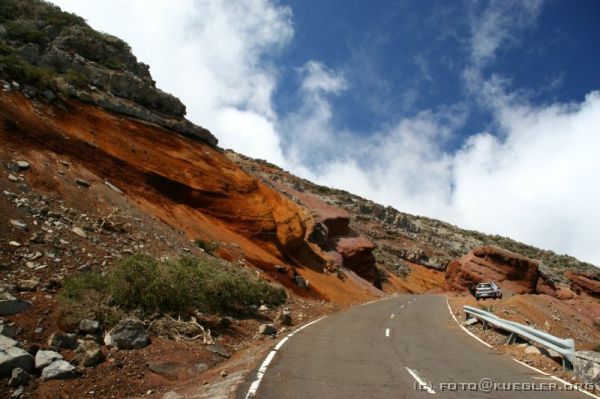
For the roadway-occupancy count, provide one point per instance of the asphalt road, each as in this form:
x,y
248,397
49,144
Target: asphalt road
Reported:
x,y
381,350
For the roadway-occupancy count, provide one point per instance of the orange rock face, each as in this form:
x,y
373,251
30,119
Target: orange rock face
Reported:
x,y
188,184
516,273
332,233
591,284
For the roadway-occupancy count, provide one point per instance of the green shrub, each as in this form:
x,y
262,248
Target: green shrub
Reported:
x,y
8,9
75,78
54,16
597,348
6,49
143,284
15,68
25,32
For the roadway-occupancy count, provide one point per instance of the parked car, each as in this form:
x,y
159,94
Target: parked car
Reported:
x,y
488,290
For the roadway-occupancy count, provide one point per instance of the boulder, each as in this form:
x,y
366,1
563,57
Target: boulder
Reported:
x,y
7,330
285,318
587,367
79,231
548,287
19,377
63,340
44,358
263,308
516,273
218,349
59,370
88,354
87,326
11,357
28,285
23,165
82,183
532,350
18,393
129,333
590,283
10,305
357,255
267,329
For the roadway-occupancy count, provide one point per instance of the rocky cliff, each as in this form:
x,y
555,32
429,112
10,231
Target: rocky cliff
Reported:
x,y
52,55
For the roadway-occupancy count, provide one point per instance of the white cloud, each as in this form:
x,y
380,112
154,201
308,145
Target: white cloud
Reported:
x,y
498,24
317,77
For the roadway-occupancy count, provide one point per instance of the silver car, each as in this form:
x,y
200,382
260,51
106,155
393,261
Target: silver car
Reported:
x,y
488,290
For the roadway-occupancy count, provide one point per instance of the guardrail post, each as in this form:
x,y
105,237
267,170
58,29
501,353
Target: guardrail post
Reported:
x,y
512,338
566,363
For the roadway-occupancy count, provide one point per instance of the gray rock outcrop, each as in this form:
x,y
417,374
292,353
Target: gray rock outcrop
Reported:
x,y
587,367
129,333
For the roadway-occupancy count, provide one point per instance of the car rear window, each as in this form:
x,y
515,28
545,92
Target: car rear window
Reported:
x,y
484,286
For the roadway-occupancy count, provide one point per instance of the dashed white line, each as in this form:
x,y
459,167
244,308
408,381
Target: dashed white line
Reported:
x,y
387,332
423,385
265,364
393,315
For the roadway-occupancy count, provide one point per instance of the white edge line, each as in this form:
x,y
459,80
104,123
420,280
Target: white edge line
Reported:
x,y
467,331
422,383
574,387
531,367
265,364
520,362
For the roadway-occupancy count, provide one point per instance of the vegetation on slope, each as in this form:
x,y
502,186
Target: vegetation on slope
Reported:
x,y
145,286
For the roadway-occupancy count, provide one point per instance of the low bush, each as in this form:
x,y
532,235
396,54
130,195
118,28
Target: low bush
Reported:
x,y
15,68
207,246
25,32
142,284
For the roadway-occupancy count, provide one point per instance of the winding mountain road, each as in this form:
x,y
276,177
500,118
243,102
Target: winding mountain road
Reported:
x,y
402,347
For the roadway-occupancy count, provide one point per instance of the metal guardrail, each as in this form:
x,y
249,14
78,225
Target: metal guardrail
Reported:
x,y
565,347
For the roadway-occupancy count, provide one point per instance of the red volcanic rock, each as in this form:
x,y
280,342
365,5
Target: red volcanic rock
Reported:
x,y
547,287
517,273
589,283
357,255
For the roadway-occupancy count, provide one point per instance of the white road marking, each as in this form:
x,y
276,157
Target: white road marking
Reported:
x,y
387,332
280,344
548,377
571,386
402,307
419,380
467,331
393,315
265,364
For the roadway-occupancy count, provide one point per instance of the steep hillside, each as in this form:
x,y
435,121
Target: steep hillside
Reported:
x,y
403,239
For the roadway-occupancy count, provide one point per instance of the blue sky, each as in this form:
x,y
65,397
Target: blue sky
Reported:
x,y
485,114
400,57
